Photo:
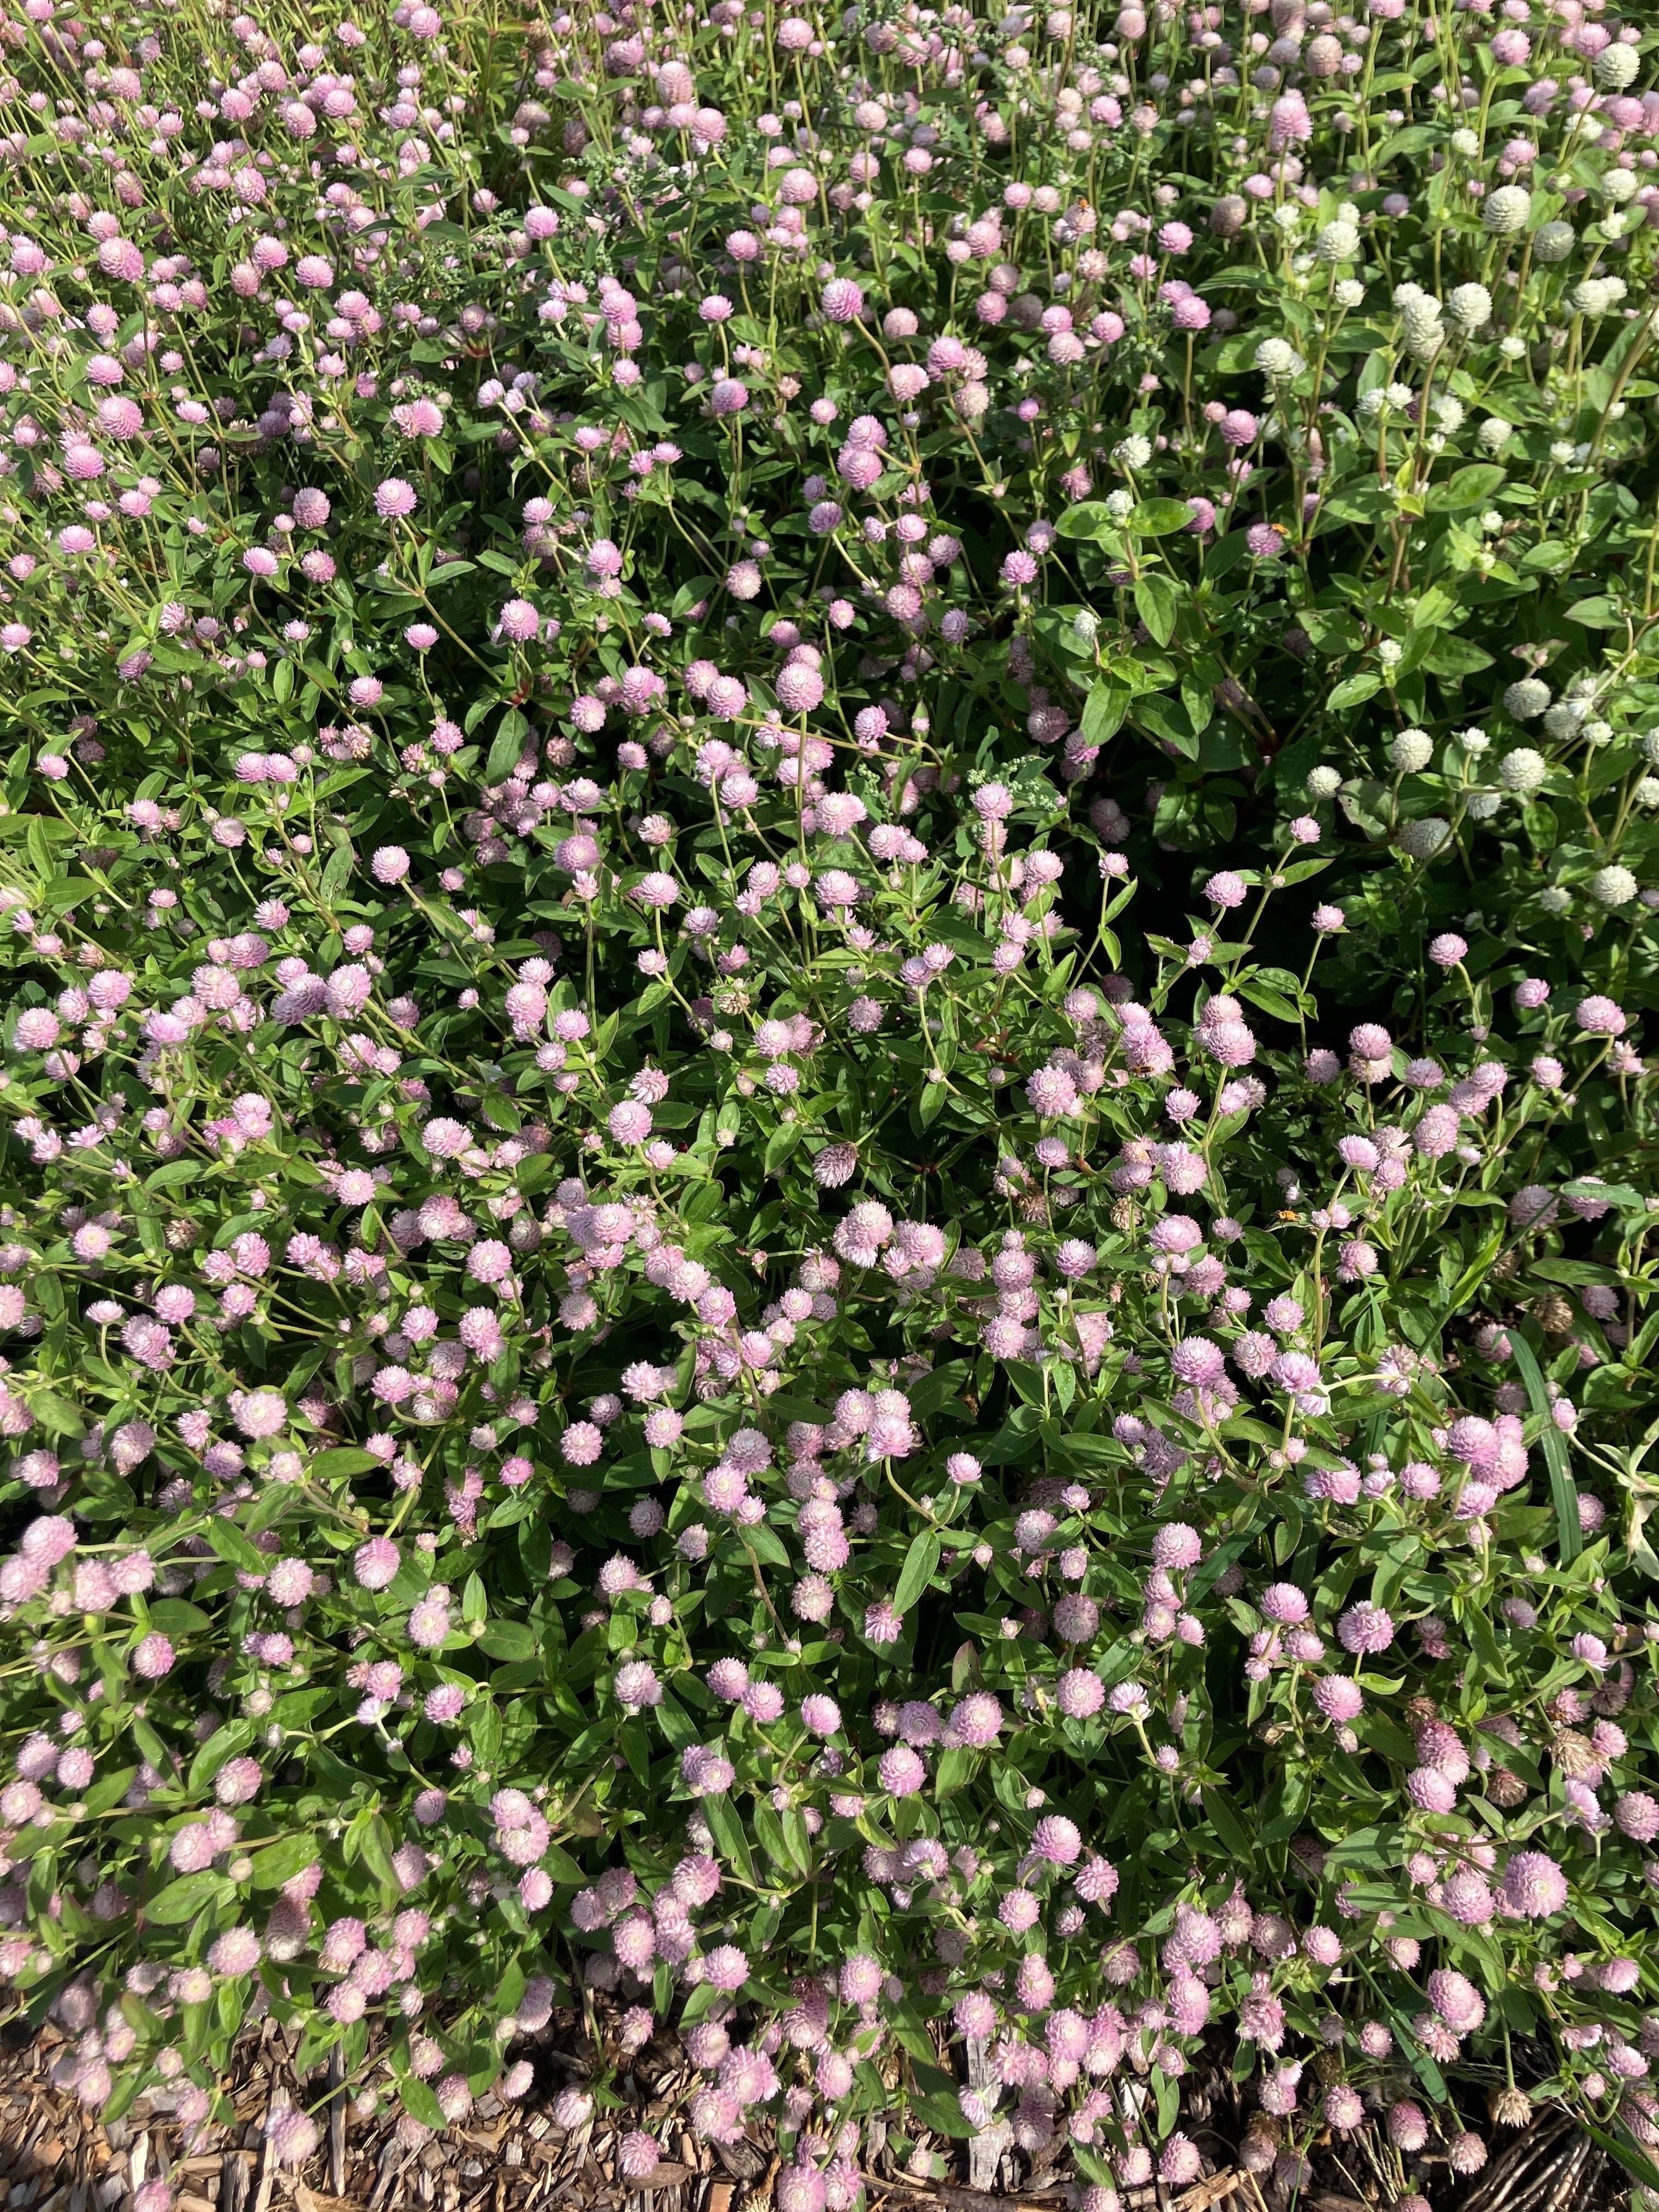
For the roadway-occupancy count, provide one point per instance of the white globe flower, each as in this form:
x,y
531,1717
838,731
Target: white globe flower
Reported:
x,y
1505,212
1410,751
1470,307
1595,295
1278,357
1613,886
1324,782
1420,322
1494,434
1615,67
1555,241
1483,804
1338,242
1522,770
1422,840
1527,698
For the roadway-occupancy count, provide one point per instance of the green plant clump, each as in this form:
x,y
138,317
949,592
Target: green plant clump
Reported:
x,y
828,868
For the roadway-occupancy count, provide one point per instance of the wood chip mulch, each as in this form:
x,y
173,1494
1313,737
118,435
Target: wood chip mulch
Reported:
x,y
56,2157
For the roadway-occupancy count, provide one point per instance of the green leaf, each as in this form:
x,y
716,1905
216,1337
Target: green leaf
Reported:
x,y
174,1174
1595,614
726,1829
509,1640
563,1869
917,1572
1623,2148
1157,599
775,1843
1353,690
955,1768
1091,519
235,1548
1472,486
780,1145
508,743
1411,140
339,867
283,1860
184,1899
701,2002
222,1745
174,1616
340,1460
420,2100
295,1708
1569,1532
1168,2101
1103,712
1156,518
122,2098
1622,1194
1228,1826
941,2113
1270,1000
1455,657
700,587
56,1414
376,1847
1165,719
108,1790
766,1544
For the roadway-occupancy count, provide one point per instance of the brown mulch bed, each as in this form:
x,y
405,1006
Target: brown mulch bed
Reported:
x,y
55,2157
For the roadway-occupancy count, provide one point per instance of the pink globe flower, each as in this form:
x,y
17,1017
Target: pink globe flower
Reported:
x,y
375,1563
1600,1017
154,1657
393,498
1366,1629
638,2156
1533,1886
1056,1839
519,622
843,300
